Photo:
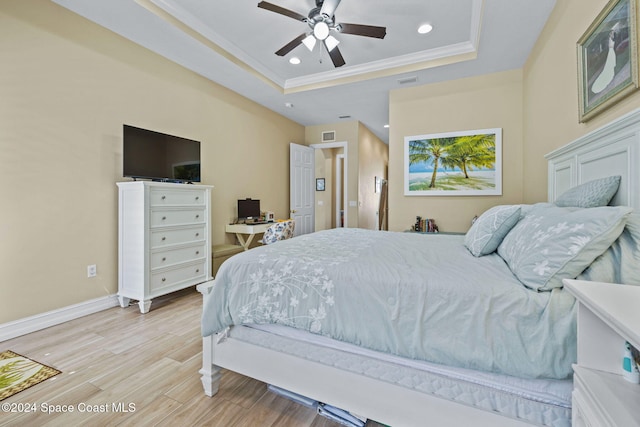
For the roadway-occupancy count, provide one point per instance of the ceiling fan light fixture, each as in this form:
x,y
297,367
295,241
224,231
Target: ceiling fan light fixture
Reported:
x,y
321,30
309,42
331,43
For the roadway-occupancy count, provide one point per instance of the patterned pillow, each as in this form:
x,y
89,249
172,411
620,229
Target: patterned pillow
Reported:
x,y
278,231
552,243
489,229
598,192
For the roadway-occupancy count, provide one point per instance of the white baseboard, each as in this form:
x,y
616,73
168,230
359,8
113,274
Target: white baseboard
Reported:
x,y
55,317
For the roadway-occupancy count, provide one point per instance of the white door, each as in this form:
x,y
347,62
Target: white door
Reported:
x,y
302,188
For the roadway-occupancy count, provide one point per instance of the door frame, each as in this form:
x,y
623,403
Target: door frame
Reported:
x,y
345,197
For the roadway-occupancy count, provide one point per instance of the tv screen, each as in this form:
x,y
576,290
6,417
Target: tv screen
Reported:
x,y
154,155
248,208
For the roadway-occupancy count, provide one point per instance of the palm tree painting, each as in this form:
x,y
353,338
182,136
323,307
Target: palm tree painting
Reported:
x,y
454,164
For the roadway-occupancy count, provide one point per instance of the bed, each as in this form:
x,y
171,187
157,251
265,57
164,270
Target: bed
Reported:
x,y
409,329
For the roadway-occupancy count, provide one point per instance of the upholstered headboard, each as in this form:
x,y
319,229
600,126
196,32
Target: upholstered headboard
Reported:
x,y
613,149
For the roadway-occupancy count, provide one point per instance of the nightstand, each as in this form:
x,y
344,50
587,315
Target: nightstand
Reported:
x,y
608,315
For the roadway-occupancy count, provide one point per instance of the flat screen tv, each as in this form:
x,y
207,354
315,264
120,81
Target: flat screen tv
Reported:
x,y
248,208
153,155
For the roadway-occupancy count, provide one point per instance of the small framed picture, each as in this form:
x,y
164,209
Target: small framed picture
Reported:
x,y
319,184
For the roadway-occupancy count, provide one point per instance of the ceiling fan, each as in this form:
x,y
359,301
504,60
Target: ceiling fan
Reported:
x,y
321,19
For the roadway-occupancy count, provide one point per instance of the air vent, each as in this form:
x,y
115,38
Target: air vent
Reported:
x,y
407,80
344,117
329,136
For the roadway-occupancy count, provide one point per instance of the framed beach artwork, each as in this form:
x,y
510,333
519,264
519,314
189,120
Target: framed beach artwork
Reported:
x,y
465,163
608,58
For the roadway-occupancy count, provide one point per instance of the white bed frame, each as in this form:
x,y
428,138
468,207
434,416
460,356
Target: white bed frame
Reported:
x,y
611,150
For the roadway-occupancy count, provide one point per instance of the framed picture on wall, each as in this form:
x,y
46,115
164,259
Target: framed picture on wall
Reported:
x,y
608,58
319,184
465,163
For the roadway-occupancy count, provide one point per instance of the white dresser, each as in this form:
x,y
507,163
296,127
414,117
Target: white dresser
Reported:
x,y
608,315
163,239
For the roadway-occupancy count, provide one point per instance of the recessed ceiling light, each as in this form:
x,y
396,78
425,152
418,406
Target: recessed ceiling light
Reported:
x,y
294,60
425,28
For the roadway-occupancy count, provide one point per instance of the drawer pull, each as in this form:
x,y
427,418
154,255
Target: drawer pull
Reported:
x,y
164,197
164,238
197,252
164,279
197,234
164,217
197,270
197,197
197,216
164,259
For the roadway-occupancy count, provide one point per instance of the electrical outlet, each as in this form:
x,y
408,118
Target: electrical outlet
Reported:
x,y
92,270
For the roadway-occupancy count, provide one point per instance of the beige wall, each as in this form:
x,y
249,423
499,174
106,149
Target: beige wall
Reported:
x,y
374,159
66,88
491,101
324,209
345,132
367,157
551,92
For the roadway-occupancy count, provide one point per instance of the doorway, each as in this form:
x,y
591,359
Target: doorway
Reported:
x,y
335,155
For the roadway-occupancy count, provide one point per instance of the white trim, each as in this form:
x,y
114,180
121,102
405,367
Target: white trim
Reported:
x,y
55,317
340,163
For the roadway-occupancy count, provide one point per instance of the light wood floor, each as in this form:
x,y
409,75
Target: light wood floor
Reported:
x,y
151,362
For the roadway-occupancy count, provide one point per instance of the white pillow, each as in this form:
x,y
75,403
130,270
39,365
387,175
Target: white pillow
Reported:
x,y
591,194
487,232
552,243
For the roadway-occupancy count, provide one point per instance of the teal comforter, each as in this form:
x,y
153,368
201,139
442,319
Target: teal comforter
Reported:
x,y
417,296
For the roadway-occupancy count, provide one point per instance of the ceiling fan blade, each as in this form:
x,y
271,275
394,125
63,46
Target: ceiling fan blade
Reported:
x,y
336,56
291,45
329,7
282,11
363,30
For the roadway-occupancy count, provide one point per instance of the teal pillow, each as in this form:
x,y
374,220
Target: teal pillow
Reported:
x,y
598,192
553,243
487,232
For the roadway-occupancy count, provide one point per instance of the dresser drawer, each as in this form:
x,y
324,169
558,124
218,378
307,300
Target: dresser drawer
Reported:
x,y
162,217
168,197
165,279
176,256
175,236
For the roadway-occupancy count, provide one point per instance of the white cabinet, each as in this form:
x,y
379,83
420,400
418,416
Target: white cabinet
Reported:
x,y
164,239
608,315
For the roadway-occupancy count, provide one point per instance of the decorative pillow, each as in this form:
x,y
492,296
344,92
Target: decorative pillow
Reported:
x,y
598,192
552,243
278,231
489,229
619,263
